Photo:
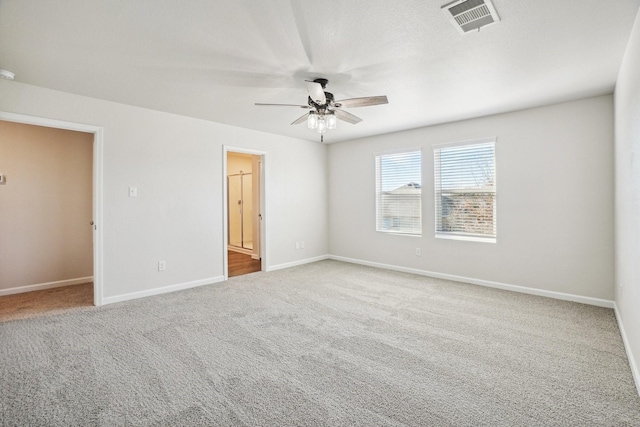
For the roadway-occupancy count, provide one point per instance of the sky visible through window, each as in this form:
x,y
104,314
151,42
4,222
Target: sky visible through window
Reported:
x,y
400,169
467,167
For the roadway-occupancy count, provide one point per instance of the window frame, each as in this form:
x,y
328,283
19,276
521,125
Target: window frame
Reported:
x,y
437,168
378,192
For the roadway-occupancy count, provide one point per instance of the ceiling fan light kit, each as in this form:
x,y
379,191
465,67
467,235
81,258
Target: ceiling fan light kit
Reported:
x,y
322,122
325,111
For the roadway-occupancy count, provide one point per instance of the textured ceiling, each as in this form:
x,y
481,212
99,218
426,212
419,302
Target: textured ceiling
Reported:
x,y
213,59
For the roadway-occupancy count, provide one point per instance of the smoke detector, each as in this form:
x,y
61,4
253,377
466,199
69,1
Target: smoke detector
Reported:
x,y
470,15
8,75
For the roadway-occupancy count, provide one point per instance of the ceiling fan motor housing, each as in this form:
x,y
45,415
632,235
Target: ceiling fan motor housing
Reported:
x,y
323,82
329,101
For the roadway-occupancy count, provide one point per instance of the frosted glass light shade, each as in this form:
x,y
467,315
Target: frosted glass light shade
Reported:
x,y
322,126
312,121
332,121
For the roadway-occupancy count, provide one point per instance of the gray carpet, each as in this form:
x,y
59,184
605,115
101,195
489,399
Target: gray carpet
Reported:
x,y
325,344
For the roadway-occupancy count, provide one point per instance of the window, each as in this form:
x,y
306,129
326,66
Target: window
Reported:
x,y
399,192
465,190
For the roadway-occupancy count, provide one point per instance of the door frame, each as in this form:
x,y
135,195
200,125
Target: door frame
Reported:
x,y
225,206
98,136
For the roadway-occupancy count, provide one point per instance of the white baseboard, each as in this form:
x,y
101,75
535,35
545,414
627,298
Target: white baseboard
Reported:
x,y
632,361
48,285
299,262
162,290
515,288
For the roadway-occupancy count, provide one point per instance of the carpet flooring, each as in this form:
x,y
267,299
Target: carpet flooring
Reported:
x,y
324,344
45,302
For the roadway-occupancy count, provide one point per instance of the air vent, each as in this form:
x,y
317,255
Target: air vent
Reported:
x,y
470,15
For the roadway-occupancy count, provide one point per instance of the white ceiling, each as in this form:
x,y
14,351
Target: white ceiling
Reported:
x,y
213,59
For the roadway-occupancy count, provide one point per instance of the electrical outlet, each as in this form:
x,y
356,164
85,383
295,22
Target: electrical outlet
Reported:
x,y
302,245
162,265
418,252
297,245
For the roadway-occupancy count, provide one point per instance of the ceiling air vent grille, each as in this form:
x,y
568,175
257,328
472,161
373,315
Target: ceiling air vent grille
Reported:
x,y
470,15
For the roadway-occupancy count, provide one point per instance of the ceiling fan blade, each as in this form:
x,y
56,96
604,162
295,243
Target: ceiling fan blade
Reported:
x,y
284,105
362,102
347,117
316,92
300,120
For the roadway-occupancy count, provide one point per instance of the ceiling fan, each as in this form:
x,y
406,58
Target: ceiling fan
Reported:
x,y
325,110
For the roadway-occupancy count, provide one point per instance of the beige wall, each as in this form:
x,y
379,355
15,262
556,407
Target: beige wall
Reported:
x,y
46,205
627,198
237,162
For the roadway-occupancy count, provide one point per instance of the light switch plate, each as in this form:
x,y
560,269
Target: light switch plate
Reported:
x,y
133,191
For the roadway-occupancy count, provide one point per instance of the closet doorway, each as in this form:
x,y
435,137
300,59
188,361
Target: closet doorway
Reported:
x,y
243,209
54,175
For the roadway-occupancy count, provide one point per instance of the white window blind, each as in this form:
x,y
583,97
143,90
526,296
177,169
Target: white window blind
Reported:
x,y
465,190
399,192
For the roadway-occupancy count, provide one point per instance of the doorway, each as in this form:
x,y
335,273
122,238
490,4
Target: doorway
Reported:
x,y
92,222
243,208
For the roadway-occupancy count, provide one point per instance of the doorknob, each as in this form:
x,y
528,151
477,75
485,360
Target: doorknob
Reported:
x,y
91,223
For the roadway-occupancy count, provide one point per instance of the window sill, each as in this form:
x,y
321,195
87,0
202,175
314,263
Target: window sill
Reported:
x,y
467,238
396,233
